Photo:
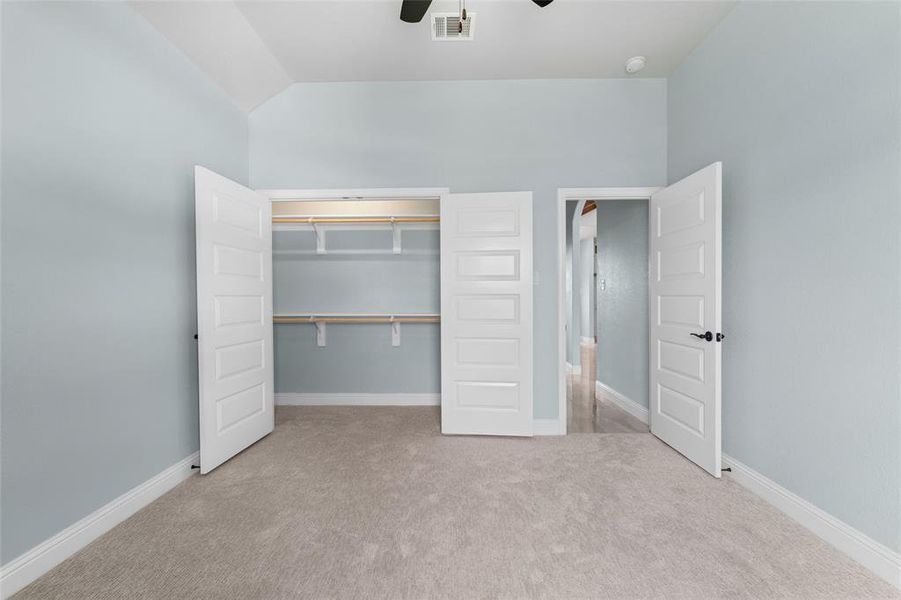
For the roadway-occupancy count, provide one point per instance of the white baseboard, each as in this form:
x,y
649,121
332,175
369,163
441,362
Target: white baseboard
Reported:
x,y
354,399
547,427
21,571
621,400
572,369
881,560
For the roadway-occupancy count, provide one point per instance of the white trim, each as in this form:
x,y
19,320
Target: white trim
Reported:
x,y
21,571
289,195
564,195
606,193
356,399
587,341
543,427
572,369
881,560
621,400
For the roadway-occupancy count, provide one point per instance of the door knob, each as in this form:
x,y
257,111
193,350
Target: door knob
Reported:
x,y
704,336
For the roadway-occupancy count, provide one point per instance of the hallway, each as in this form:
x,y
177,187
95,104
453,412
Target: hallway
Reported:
x,y
587,414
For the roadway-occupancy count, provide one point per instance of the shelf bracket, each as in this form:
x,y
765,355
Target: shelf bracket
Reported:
x,y
320,237
395,230
395,332
320,333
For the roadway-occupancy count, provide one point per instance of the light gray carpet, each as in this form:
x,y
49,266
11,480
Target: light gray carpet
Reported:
x,y
375,503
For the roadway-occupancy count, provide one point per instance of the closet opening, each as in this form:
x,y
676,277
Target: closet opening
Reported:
x,y
376,297
356,298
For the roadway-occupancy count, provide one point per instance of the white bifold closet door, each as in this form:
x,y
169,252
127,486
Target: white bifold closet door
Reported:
x,y
234,316
686,316
486,314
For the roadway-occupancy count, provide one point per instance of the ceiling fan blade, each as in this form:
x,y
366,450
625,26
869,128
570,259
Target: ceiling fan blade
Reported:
x,y
412,11
542,3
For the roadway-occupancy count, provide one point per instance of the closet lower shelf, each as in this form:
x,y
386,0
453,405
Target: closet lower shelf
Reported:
x,y
320,321
357,318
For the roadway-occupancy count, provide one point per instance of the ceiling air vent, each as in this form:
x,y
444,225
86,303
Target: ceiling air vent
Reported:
x,y
446,27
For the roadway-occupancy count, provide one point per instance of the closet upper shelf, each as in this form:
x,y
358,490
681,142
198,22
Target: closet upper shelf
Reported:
x,y
354,220
320,223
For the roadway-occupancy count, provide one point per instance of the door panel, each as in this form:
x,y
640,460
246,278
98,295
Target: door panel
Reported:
x,y
686,298
234,317
486,314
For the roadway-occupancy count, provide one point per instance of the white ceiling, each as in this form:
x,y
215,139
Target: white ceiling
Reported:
x,y
254,49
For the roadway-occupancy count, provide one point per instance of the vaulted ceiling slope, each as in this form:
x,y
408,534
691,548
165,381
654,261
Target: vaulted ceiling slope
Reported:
x,y
255,49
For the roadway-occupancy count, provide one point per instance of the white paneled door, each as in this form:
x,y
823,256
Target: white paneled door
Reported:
x,y
486,314
686,316
234,316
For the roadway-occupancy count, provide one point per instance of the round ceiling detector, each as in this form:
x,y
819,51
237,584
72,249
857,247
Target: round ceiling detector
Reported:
x,y
635,64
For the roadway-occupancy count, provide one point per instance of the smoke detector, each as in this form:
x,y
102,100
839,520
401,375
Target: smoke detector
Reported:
x,y
446,27
635,64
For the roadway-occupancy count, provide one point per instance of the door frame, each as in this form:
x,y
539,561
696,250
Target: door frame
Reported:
x,y
350,194
299,194
565,195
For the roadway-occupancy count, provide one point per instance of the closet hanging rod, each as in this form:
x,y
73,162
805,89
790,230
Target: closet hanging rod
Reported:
x,y
328,220
289,319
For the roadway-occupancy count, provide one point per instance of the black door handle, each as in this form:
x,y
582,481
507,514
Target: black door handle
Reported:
x,y
704,336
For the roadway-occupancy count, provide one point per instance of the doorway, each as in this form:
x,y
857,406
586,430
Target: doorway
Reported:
x,y
683,371
606,315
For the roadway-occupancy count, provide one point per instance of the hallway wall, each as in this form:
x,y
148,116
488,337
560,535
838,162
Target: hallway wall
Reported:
x,y
622,307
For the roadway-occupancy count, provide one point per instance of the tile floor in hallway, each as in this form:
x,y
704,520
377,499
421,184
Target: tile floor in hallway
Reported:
x,y
587,414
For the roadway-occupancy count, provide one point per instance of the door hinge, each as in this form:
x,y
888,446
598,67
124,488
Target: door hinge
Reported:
x,y
720,337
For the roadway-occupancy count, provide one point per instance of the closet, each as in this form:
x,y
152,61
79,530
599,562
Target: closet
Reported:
x,y
356,301
286,276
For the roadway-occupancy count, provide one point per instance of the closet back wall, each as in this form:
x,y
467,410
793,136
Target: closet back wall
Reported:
x,y
470,136
358,274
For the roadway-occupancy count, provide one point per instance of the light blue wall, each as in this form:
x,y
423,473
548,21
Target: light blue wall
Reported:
x,y
802,103
588,295
622,308
470,136
103,121
576,307
351,278
572,346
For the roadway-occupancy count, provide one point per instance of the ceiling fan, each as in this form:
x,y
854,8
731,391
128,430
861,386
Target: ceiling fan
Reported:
x,y
412,11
